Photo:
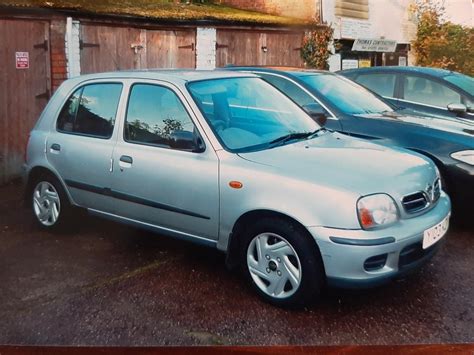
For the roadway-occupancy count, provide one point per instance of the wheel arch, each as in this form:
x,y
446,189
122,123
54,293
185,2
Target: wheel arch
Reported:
x,y
35,173
439,164
240,227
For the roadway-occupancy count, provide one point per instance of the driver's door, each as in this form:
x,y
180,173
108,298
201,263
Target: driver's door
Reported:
x,y
156,182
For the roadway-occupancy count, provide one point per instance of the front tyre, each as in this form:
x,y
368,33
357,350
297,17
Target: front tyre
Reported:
x,y
282,262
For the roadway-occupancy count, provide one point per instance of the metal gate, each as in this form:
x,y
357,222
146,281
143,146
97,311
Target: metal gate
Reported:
x,y
24,88
277,48
108,48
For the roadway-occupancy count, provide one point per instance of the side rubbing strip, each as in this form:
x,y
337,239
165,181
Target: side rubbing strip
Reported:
x,y
130,198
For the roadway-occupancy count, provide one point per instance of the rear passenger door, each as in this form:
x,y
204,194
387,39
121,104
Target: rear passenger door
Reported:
x,y
80,145
156,181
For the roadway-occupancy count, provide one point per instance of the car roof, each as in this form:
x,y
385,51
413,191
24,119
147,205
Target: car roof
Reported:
x,y
171,75
437,72
288,71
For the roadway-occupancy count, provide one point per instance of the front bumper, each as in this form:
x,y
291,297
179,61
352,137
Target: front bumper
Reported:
x,y
400,243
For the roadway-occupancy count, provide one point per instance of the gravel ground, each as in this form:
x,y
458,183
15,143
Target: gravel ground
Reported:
x,y
108,284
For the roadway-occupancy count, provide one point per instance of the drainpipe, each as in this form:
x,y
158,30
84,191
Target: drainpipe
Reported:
x,y
320,2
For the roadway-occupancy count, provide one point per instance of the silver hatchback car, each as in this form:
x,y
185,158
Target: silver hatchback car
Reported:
x,y
226,160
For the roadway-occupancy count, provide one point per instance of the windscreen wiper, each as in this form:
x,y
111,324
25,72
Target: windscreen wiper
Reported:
x,y
293,136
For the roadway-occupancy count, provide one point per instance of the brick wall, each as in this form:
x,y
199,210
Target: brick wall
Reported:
x,y
304,9
58,53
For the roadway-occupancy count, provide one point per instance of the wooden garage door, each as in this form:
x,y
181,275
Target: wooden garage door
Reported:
x,y
107,48
258,48
170,49
23,92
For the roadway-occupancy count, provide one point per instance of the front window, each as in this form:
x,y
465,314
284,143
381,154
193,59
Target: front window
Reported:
x,y
247,113
156,116
346,95
425,91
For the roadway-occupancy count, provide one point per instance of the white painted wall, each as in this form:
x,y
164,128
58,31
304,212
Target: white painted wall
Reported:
x,y
387,18
73,52
206,48
392,20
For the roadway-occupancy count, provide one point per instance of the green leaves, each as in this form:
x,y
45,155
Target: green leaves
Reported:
x,y
315,49
440,43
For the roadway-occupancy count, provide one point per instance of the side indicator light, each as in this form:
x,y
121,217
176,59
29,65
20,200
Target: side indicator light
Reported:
x,y
236,184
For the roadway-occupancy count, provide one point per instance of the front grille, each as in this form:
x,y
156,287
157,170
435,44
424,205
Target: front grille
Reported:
x,y
436,190
415,202
420,200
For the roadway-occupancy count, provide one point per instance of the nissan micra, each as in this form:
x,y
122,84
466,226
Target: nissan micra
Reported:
x,y
226,160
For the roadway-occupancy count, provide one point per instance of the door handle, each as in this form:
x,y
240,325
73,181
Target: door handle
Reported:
x,y
125,161
55,147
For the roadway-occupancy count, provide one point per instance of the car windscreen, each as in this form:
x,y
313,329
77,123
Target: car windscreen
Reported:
x,y
248,114
463,81
347,96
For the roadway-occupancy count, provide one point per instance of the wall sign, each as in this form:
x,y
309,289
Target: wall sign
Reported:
x,y
352,29
350,64
364,63
22,60
374,45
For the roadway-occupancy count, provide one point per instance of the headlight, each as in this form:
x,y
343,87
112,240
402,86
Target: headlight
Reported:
x,y
376,210
466,156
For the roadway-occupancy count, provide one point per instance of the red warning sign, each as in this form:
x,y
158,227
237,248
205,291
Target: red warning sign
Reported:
x,y
22,60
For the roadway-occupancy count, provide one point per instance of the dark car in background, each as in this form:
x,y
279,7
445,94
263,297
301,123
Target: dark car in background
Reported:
x,y
426,91
349,108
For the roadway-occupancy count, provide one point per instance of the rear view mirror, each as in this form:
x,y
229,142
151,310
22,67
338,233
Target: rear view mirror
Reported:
x,y
458,109
317,113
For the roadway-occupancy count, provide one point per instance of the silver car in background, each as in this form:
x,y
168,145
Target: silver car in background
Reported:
x,y
226,160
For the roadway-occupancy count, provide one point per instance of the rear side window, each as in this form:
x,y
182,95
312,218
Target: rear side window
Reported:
x,y
382,84
91,110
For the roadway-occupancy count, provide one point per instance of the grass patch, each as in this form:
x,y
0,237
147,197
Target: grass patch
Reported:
x,y
162,9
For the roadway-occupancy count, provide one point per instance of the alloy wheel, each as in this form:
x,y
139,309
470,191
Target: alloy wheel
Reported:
x,y
274,265
46,203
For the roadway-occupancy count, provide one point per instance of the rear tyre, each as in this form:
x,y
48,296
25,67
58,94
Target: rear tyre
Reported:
x,y
50,205
282,262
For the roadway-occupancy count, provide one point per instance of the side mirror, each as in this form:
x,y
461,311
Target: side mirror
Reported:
x,y
186,140
317,113
458,109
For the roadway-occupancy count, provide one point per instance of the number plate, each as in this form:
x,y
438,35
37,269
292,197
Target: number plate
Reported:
x,y
435,233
